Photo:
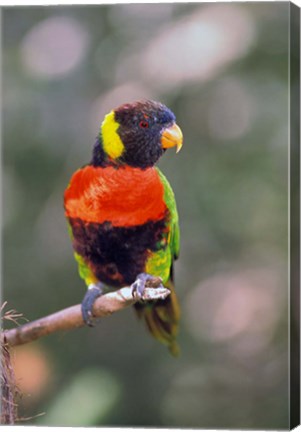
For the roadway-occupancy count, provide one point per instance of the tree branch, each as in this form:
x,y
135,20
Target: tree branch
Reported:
x,y
71,318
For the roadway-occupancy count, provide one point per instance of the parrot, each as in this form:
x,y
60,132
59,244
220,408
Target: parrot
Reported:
x,y
122,214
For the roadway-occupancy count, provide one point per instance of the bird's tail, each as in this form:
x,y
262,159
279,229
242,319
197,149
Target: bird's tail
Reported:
x,y
162,319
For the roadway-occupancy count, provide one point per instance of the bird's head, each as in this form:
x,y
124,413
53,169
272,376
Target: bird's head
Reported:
x,y
136,134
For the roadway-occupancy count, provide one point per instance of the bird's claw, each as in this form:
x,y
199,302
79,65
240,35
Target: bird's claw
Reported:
x,y
143,281
89,319
93,292
137,289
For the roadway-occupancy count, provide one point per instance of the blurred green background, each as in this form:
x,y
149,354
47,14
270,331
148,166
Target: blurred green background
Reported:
x,y
222,68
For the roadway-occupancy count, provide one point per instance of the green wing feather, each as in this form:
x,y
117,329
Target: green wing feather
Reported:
x,y
159,263
170,201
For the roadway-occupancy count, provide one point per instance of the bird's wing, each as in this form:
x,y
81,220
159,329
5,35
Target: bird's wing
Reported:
x,y
169,198
163,316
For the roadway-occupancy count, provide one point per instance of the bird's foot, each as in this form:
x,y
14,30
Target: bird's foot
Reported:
x,y
143,281
94,291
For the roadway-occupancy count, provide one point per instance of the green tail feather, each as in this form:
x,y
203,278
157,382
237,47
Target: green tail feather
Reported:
x,y
162,319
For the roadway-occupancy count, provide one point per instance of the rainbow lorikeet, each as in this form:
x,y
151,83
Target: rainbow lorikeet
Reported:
x,y
122,213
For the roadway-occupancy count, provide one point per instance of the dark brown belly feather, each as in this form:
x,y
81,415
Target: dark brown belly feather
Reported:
x,y
117,254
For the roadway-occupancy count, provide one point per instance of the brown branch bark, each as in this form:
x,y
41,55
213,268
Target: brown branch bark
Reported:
x,y
71,317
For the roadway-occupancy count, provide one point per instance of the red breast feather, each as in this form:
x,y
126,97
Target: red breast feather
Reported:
x,y
125,196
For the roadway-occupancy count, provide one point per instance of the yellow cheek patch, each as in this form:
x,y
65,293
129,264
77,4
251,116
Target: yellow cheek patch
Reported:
x,y
111,141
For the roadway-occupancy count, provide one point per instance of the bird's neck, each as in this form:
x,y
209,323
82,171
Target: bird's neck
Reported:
x,y
99,157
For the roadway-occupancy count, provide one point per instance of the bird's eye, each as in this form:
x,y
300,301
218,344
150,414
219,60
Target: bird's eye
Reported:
x,y
143,124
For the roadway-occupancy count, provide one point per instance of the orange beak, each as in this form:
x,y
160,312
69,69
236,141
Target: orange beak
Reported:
x,y
172,137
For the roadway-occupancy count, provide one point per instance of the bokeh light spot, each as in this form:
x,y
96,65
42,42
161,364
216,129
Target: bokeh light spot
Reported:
x,y
196,47
88,398
240,309
54,47
32,370
230,110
